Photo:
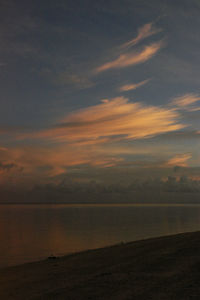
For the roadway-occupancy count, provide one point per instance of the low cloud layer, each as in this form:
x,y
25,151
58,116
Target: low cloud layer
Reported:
x,y
86,137
6,166
179,160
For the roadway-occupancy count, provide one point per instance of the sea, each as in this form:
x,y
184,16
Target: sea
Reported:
x,y
34,232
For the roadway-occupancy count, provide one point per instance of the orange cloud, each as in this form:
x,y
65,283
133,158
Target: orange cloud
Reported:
x,y
132,86
27,165
187,102
143,32
116,119
132,58
179,160
81,138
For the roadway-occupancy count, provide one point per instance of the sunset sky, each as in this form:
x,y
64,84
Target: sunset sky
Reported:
x,y
99,87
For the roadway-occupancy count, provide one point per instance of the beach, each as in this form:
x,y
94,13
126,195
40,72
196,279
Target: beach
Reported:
x,y
157,268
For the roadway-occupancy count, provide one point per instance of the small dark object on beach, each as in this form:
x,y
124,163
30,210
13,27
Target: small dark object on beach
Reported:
x,y
52,257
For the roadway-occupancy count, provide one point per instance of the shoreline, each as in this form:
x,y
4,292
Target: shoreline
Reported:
x,y
104,204
157,268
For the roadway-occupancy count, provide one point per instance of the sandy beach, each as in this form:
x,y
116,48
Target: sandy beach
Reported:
x,y
158,268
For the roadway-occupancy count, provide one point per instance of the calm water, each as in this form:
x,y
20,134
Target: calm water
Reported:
x,y
33,232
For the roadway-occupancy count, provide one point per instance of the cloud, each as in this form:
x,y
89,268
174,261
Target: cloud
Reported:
x,y
143,32
6,166
132,58
9,166
115,119
187,102
33,165
181,135
64,78
133,86
67,78
37,164
179,160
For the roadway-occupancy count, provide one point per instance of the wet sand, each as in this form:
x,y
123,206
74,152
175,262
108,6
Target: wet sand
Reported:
x,y
158,268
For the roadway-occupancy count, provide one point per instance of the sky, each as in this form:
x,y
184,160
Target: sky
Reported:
x,y
99,89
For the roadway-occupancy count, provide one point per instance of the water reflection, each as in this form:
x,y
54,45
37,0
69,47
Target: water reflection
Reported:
x,y
33,232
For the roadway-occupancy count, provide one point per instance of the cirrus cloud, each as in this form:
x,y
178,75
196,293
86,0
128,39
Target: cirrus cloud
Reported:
x,y
133,86
115,119
143,32
187,102
132,58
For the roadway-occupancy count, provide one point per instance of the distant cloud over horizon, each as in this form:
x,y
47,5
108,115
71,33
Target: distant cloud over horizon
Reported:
x,y
80,137
179,160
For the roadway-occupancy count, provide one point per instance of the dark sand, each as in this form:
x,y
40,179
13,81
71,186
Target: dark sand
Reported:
x,y
159,268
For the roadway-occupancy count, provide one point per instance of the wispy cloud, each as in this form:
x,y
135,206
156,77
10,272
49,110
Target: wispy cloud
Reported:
x,y
187,102
32,164
179,160
133,86
181,135
113,119
143,32
132,58
66,78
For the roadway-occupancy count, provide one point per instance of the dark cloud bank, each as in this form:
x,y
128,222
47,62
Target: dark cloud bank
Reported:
x,y
173,190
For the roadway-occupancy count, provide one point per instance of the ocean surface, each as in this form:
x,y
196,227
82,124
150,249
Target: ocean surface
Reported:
x,y
34,232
